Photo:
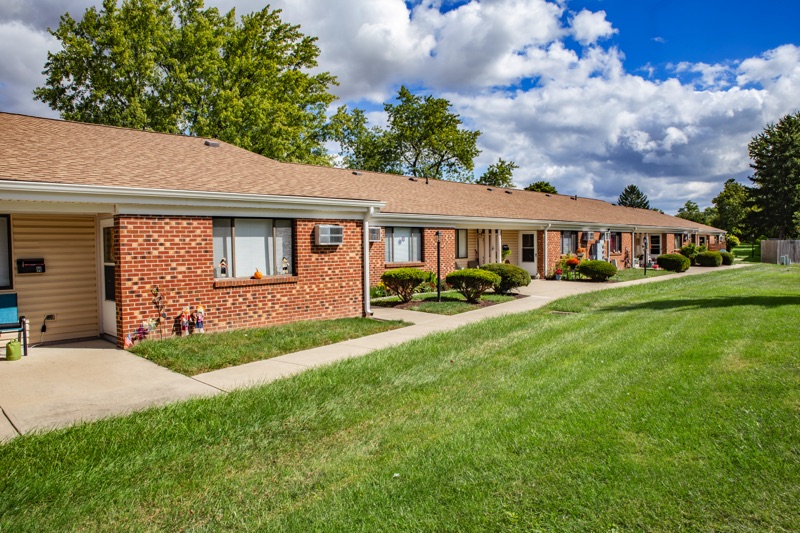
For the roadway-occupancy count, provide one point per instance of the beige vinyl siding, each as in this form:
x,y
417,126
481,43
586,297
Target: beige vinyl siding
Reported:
x,y
68,287
511,238
472,245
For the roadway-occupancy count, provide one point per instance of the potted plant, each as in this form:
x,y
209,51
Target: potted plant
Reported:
x,y
558,274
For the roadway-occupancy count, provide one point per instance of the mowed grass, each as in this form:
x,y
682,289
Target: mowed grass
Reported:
x,y
210,351
661,407
748,252
630,274
452,303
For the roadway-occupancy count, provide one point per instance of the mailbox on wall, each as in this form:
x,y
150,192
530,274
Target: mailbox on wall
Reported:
x,y
30,266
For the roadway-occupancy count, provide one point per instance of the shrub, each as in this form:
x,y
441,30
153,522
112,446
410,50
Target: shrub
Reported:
x,y
403,281
731,242
473,282
690,251
378,291
511,276
709,259
673,262
597,270
727,258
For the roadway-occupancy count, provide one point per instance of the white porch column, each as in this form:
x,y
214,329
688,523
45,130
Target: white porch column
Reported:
x,y
487,246
499,246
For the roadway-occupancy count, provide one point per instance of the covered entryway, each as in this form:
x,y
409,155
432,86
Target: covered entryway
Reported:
x,y
527,251
108,298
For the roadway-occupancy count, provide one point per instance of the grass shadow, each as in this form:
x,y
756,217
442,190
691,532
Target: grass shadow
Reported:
x,y
708,303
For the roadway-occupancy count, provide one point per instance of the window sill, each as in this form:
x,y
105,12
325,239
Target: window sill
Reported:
x,y
411,264
220,283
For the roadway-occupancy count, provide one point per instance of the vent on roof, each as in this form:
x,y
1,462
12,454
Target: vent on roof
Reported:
x,y
546,194
489,189
356,173
412,179
574,197
212,144
509,192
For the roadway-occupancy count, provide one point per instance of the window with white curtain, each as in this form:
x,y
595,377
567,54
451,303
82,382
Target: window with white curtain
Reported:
x,y
569,242
403,245
244,245
461,244
5,252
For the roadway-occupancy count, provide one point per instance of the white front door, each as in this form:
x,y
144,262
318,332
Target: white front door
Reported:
x,y
527,251
108,297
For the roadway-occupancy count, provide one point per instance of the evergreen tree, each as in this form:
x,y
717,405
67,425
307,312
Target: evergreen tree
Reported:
x,y
775,194
632,196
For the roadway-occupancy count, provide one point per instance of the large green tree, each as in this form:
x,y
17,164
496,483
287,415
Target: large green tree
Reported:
x,y
423,138
731,205
691,211
499,174
632,196
176,67
775,194
541,186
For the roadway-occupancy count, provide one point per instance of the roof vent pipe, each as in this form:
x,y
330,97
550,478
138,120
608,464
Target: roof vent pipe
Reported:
x,y
212,144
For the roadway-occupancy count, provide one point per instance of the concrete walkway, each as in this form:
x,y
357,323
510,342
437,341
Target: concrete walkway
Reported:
x,y
61,385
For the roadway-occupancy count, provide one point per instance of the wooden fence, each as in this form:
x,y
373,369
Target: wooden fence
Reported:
x,y
773,250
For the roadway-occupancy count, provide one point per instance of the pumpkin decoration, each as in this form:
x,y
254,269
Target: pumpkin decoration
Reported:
x,y
258,274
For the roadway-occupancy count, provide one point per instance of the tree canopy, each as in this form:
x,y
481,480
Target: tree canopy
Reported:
x,y
731,205
775,193
423,138
175,67
691,211
499,174
541,186
632,196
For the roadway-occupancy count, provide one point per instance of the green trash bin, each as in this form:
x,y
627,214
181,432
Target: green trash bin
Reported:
x,y
13,350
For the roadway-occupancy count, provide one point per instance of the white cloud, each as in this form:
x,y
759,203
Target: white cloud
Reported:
x,y
588,27
21,66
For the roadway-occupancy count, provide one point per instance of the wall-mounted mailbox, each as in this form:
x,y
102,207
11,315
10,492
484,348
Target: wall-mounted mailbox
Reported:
x,y
30,266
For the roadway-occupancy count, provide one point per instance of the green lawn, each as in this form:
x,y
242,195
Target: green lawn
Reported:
x,y
748,252
201,353
670,406
452,302
630,274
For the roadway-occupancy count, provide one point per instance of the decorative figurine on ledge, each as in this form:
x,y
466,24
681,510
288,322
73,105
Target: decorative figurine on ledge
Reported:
x,y
184,320
223,268
285,265
142,331
258,274
199,317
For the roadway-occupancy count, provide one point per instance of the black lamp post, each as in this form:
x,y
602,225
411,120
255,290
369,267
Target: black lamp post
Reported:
x,y
645,256
438,266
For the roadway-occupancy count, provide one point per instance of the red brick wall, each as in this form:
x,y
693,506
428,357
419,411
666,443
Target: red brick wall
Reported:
x,y
377,254
553,250
176,253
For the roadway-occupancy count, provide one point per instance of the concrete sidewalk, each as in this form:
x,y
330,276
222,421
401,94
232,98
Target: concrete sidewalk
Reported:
x,y
57,386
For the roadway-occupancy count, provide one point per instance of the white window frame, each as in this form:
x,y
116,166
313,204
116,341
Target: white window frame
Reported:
x,y
573,242
6,277
243,261
462,241
654,243
391,244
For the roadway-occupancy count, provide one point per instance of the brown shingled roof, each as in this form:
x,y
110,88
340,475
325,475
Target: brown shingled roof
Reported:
x,y
55,151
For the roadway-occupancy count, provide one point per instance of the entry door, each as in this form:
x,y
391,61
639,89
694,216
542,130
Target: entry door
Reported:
x,y
108,294
527,251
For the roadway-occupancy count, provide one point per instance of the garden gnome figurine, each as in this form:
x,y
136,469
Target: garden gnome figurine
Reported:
x,y
142,331
185,321
199,319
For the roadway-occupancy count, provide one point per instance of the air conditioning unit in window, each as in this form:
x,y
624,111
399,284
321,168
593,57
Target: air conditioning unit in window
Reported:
x,y
328,235
374,234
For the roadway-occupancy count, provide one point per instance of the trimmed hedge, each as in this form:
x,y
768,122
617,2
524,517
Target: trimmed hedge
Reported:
x,y
674,262
403,281
690,251
727,258
597,270
473,282
709,259
511,276
731,242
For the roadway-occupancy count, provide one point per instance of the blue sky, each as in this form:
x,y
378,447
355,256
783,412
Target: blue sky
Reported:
x,y
591,95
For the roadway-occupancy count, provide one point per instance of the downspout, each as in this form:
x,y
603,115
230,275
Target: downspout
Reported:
x,y
544,267
633,245
365,246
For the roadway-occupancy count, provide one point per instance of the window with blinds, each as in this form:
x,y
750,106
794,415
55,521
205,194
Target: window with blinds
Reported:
x,y
244,245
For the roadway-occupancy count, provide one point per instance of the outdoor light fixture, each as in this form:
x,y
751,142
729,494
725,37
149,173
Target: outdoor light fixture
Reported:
x,y
645,256
438,265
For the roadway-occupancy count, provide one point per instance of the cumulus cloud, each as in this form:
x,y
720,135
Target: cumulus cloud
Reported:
x,y
21,66
588,27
